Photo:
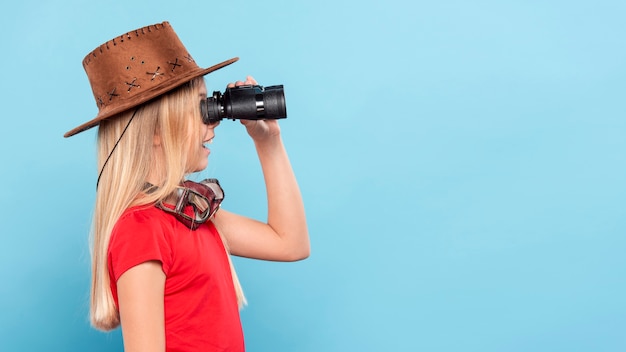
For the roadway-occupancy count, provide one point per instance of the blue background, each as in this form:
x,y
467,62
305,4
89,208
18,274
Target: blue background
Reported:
x,y
462,163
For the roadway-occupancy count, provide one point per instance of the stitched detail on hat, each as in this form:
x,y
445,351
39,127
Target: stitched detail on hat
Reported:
x,y
112,94
174,64
132,84
156,73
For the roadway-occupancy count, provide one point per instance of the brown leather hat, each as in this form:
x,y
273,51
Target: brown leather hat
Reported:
x,y
136,67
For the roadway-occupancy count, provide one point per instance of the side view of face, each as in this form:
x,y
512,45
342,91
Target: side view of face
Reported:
x,y
199,152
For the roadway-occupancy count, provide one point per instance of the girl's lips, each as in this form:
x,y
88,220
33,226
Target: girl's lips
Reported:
x,y
205,145
209,141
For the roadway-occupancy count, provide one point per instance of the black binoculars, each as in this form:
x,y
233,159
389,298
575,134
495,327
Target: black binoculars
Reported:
x,y
248,102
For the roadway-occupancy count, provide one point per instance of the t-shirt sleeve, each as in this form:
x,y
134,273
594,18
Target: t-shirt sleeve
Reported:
x,y
135,239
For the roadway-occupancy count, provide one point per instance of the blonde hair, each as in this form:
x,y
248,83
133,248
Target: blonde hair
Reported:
x,y
122,180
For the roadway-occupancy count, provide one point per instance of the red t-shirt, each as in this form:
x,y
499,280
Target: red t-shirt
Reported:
x,y
201,311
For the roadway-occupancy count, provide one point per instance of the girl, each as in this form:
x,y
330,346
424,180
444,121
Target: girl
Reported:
x,y
160,244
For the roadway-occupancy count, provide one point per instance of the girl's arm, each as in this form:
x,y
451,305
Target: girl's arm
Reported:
x,y
284,237
140,296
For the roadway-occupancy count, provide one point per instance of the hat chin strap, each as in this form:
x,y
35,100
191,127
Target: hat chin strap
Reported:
x,y
115,146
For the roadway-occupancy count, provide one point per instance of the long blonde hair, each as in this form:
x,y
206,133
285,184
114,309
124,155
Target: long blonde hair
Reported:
x,y
123,178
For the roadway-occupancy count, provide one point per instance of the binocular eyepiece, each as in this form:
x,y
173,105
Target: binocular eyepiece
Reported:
x,y
248,102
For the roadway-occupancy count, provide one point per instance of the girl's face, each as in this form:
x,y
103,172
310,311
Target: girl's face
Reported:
x,y
200,151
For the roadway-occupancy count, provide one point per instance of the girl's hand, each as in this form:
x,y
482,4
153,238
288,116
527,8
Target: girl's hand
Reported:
x,y
259,130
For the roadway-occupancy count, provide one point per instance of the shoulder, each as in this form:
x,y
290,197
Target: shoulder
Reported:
x,y
141,234
140,214
141,224
144,217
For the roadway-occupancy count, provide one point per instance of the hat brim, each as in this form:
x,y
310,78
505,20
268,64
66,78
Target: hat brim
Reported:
x,y
148,95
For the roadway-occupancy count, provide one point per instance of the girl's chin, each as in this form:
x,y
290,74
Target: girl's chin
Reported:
x,y
202,164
